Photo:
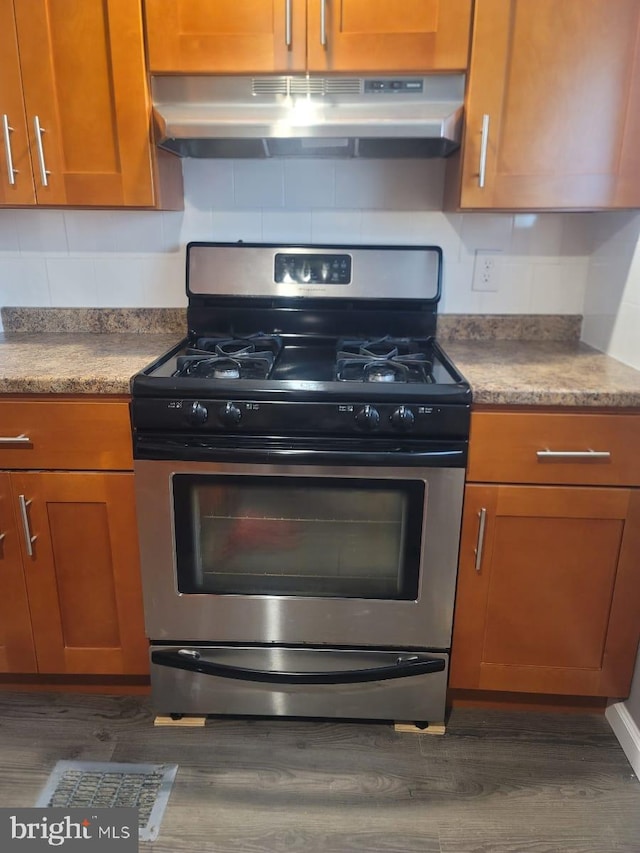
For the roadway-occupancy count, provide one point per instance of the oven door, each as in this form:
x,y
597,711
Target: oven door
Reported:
x,y
298,554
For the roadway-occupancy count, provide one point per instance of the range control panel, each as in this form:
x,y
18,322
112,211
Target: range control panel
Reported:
x,y
394,85
327,268
265,417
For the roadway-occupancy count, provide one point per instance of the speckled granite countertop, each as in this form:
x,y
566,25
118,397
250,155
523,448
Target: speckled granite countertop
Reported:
x,y
78,363
507,360
547,373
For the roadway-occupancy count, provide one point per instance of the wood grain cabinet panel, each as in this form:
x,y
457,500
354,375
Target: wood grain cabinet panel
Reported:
x,y
17,652
549,572
82,576
531,447
321,35
554,103
70,589
379,35
551,605
226,36
16,178
72,434
79,75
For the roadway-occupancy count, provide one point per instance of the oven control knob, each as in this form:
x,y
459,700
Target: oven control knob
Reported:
x,y
198,413
368,418
403,418
230,415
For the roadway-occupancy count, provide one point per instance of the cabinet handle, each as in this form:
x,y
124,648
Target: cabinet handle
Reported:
x,y
28,538
484,143
573,455
482,515
11,172
323,23
15,439
43,167
287,23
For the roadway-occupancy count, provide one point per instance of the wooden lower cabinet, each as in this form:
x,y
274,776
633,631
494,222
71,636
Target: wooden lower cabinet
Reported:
x,y
17,652
73,605
549,591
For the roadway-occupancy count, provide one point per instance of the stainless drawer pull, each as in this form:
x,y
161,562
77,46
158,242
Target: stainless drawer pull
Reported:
x,y
484,143
482,515
44,172
6,127
287,23
573,454
28,538
15,439
323,23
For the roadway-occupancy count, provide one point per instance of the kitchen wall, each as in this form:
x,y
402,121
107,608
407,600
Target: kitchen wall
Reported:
x,y
612,297
134,258
612,324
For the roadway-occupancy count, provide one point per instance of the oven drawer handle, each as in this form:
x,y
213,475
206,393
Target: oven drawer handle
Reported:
x,y
192,662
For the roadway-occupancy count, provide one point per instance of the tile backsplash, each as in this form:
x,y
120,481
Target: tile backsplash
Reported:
x,y
136,258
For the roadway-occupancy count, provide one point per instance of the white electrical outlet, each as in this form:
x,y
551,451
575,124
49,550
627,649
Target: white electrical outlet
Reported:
x,y
486,270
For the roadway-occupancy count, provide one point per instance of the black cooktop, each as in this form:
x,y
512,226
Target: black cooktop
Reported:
x,y
268,366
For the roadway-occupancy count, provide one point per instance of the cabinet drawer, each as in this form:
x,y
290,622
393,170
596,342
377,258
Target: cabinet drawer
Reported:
x,y
65,435
515,447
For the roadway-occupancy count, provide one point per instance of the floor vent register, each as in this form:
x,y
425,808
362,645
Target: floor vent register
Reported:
x,y
82,784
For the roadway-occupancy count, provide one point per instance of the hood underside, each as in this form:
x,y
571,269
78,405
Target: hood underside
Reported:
x,y
307,116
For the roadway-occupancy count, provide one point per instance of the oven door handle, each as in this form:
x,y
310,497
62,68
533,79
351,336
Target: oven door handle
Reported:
x,y
406,665
221,449
412,457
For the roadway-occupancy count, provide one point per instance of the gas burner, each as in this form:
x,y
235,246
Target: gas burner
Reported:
x,y
384,371
242,366
384,359
227,369
379,370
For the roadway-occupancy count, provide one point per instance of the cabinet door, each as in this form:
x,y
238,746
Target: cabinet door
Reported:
x,y
551,603
226,36
17,653
84,81
16,181
556,87
83,575
381,35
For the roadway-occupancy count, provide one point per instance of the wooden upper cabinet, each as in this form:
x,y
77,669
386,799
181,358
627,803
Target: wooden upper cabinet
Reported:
x,y
284,36
556,87
251,36
16,180
82,82
381,35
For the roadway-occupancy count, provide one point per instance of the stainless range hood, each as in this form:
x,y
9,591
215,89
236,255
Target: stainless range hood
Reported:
x,y
309,116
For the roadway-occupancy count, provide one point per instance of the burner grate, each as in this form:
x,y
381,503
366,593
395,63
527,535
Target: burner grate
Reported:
x,y
384,359
240,366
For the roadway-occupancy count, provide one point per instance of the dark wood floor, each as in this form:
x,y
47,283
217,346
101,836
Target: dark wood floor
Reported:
x,y
495,783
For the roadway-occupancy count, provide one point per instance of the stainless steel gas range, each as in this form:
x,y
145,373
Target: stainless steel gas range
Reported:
x,y
299,469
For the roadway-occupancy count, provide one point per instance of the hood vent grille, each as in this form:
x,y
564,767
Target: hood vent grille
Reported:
x,y
303,85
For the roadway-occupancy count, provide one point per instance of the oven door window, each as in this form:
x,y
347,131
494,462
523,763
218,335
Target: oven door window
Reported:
x,y
298,536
